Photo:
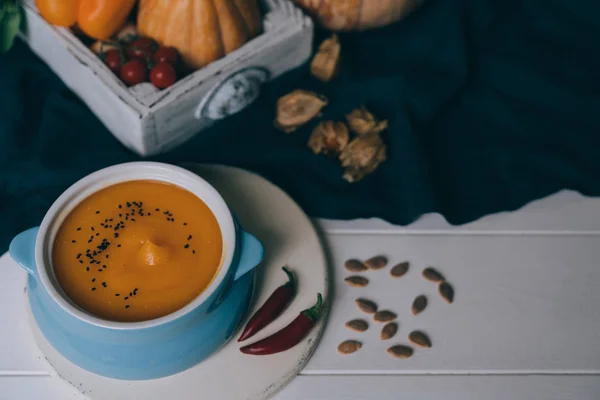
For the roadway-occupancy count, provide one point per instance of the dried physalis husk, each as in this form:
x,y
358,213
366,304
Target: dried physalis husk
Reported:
x,y
329,137
297,108
362,122
326,63
362,156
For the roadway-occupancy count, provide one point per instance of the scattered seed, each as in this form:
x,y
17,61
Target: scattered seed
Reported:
x,y
358,325
384,316
357,281
432,275
419,304
349,347
446,291
420,339
366,306
400,351
376,262
355,265
399,270
389,331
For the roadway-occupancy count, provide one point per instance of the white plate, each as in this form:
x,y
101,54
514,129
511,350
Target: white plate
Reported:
x,y
290,239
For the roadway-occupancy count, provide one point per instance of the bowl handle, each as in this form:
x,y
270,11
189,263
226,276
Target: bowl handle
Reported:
x,y
22,249
252,252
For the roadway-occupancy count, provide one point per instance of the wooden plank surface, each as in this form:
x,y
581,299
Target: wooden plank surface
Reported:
x,y
565,212
524,303
443,388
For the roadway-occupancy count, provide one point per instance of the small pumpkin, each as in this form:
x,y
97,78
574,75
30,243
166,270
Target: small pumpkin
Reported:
x,y
201,30
348,15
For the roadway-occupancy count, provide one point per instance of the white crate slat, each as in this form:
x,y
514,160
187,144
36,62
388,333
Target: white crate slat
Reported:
x,y
149,121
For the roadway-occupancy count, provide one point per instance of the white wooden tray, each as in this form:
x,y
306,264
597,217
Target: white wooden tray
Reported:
x,y
149,121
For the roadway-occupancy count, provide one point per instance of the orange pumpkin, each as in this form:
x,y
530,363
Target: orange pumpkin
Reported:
x,y
202,30
348,15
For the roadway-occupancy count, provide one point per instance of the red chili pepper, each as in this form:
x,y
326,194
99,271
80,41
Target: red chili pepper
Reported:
x,y
272,308
289,336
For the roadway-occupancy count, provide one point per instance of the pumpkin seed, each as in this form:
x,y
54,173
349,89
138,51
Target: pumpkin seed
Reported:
x,y
419,304
420,339
399,270
366,306
432,275
355,265
446,291
376,262
358,325
349,347
384,316
389,331
400,351
357,281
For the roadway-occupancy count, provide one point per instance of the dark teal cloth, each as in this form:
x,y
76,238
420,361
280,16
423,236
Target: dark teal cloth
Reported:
x,y
491,104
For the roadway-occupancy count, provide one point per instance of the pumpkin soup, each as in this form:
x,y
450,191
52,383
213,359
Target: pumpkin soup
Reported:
x,y
137,250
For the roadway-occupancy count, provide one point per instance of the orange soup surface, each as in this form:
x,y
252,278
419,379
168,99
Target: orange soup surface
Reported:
x,y
137,250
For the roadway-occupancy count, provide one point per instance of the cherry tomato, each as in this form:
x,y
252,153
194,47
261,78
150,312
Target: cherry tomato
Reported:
x,y
134,72
112,59
163,75
166,54
142,48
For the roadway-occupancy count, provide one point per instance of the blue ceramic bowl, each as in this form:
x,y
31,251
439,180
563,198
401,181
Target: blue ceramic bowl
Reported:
x,y
149,349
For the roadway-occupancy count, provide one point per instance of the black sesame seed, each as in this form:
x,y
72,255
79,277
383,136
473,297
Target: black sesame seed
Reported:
x,y
117,294
93,228
118,245
73,241
126,298
99,269
189,237
79,255
97,234
107,256
80,261
149,214
185,223
193,251
93,288
103,266
94,280
186,246
116,235
127,306
128,204
79,228
120,206
133,219
104,284
130,293
98,212
87,268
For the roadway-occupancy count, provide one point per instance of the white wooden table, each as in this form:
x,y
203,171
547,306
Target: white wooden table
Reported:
x,y
525,323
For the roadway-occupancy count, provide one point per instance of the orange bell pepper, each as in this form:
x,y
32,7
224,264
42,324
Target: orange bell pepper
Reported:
x,y
99,19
